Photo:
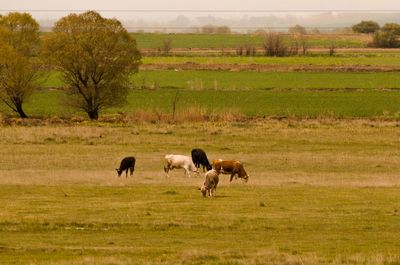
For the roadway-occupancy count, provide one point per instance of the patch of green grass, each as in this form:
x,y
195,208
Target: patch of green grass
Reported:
x,y
215,41
52,79
224,80
155,40
300,94
387,60
271,103
335,104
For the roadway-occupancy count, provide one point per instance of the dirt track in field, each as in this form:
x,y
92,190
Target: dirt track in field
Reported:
x,y
269,67
233,51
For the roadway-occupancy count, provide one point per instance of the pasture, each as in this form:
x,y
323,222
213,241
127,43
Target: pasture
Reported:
x,y
320,192
248,104
251,94
321,147
355,59
215,41
252,80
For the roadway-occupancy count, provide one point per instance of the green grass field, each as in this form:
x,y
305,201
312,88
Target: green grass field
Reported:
x,y
244,80
224,80
303,104
323,159
255,103
319,193
392,59
298,94
212,41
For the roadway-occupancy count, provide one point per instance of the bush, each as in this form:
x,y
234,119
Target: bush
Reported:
x,y
366,27
211,29
391,27
247,49
276,45
166,47
385,39
222,30
297,30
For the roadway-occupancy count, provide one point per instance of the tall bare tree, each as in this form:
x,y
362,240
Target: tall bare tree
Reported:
x,y
19,41
95,56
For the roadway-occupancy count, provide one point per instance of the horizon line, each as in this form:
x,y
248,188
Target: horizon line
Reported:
x,y
208,11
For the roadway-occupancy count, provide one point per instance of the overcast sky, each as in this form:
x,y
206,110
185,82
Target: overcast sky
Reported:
x,y
38,7
201,4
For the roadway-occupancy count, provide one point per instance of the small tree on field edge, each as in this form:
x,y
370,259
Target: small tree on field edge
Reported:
x,y
95,56
18,79
19,42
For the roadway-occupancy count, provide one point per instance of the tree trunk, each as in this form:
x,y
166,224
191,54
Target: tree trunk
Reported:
x,y
93,114
21,111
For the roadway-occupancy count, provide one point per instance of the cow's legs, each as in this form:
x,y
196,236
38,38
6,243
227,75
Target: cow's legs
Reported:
x,y
187,172
166,170
131,170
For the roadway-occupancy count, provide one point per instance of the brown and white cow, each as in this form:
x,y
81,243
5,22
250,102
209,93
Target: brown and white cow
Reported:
x,y
232,167
210,183
179,161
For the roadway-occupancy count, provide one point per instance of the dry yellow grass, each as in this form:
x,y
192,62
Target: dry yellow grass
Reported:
x,y
316,152
320,192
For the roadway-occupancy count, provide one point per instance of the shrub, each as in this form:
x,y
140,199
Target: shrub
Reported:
x,y
394,28
297,30
248,49
366,27
276,45
385,39
166,47
211,29
332,47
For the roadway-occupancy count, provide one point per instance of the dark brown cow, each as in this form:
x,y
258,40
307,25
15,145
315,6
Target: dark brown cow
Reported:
x,y
128,163
199,157
232,167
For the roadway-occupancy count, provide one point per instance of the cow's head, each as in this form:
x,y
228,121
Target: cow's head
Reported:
x,y
203,190
194,169
119,171
246,178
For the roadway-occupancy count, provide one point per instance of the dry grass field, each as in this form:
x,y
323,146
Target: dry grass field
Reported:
x,y
320,192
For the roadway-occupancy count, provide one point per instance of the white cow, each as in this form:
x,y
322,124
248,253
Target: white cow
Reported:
x,y
210,183
179,161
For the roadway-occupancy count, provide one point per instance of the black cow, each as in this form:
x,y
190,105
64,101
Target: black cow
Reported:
x,y
199,157
126,163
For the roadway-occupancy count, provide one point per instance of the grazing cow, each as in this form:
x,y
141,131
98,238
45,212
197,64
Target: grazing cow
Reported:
x,y
211,183
128,163
199,157
232,167
179,161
